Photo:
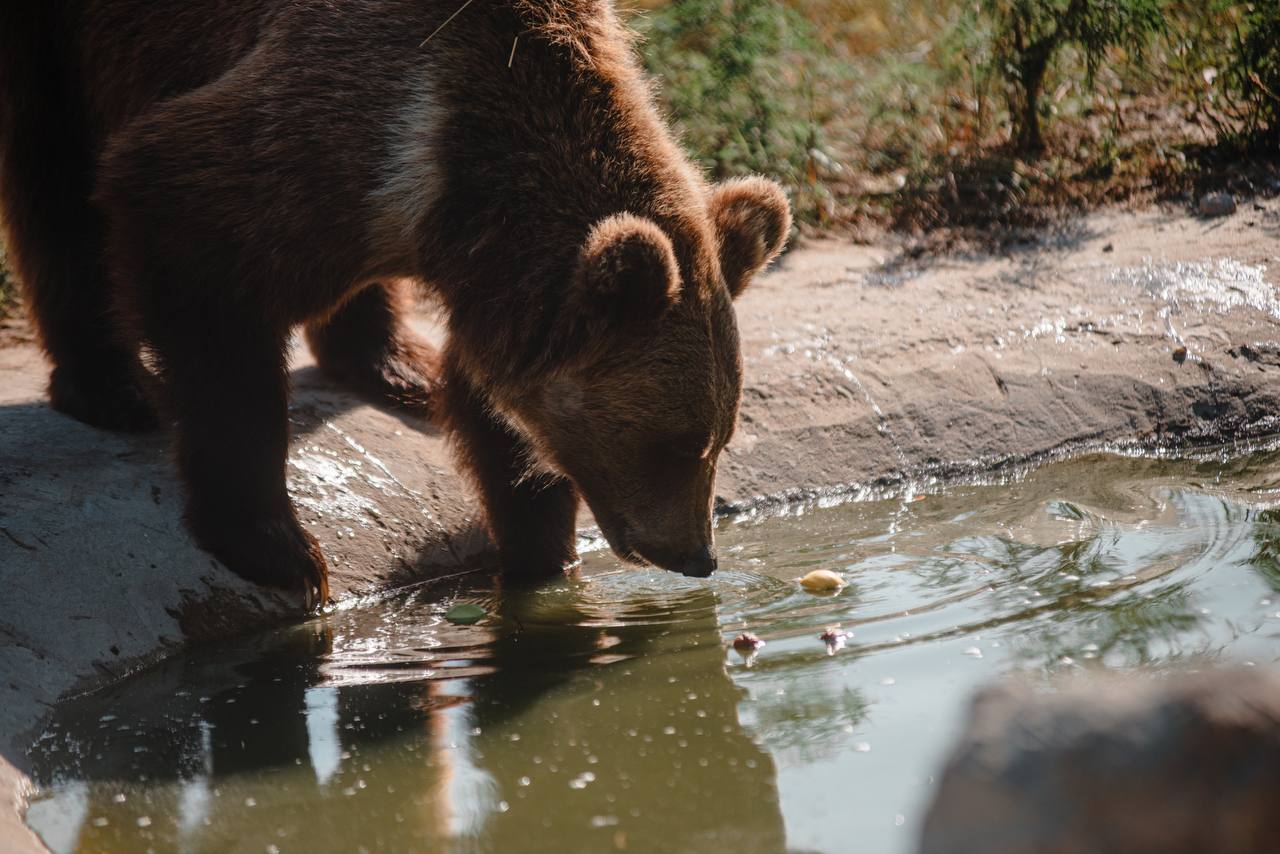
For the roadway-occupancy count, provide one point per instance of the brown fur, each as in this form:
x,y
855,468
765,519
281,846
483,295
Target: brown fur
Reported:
x,y
367,346
240,167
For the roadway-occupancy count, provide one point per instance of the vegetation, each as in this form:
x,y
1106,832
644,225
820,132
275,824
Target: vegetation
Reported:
x,y
914,115
740,99
8,288
1253,72
1026,35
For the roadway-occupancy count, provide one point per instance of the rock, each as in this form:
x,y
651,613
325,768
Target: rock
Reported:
x,y
1216,204
1188,764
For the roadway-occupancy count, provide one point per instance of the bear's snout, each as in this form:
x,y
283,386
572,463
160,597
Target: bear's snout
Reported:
x,y
701,563
670,535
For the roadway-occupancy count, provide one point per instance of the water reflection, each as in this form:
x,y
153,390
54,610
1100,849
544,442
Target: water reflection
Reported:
x,y
608,713
1266,560
601,727
652,752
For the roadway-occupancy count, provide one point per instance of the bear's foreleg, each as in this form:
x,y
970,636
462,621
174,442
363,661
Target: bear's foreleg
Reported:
x,y
367,345
531,517
227,386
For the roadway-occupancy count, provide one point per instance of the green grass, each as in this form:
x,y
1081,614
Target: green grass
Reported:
x,y
741,81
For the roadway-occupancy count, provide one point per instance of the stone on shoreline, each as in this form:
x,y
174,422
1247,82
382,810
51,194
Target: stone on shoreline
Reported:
x,y
1216,204
1179,766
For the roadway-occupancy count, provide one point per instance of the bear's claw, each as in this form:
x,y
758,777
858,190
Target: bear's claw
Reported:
x,y
273,553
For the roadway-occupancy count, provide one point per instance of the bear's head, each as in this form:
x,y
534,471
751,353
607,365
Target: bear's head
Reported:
x,y
645,394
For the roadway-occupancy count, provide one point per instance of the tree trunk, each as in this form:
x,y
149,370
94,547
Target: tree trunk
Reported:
x,y
1027,137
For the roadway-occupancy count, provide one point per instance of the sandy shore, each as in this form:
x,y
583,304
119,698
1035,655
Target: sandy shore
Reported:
x,y
865,368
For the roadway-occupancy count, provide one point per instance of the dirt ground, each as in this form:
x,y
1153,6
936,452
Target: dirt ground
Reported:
x,y
867,367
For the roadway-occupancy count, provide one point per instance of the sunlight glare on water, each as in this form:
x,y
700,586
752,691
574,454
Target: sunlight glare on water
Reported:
x,y
609,712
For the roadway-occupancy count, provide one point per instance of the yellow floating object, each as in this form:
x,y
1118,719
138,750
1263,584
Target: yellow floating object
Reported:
x,y
822,581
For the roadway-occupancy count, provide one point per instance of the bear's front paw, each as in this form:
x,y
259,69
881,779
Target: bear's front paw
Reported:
x,y
524,570
273,552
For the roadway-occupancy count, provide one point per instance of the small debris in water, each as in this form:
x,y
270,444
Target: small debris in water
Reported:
x,y
747,643
1179,354
465,615
822,581
834,637
862,747
973,651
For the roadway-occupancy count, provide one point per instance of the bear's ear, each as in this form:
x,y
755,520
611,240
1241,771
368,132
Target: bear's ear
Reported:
x,y
752,219
627,273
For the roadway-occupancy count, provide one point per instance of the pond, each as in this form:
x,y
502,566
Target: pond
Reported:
x,y
611,713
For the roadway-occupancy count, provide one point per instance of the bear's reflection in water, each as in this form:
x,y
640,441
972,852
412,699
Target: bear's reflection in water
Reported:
x,y
562,724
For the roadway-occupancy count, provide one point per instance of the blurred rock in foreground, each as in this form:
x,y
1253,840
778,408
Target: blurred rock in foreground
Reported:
x,y
1185,764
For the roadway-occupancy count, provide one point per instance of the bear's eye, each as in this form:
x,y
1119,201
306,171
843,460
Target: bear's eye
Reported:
x,y
688,446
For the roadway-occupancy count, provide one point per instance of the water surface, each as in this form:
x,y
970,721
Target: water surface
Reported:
x,y
608,712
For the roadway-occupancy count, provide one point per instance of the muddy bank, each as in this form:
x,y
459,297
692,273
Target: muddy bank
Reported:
x,y
865,367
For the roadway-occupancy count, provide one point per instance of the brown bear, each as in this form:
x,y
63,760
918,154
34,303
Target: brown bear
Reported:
x,y
184,183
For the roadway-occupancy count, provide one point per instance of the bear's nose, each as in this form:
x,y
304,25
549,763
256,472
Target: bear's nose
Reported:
x,y
700,564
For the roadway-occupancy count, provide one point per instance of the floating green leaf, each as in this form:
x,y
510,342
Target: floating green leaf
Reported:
x,y
465,615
